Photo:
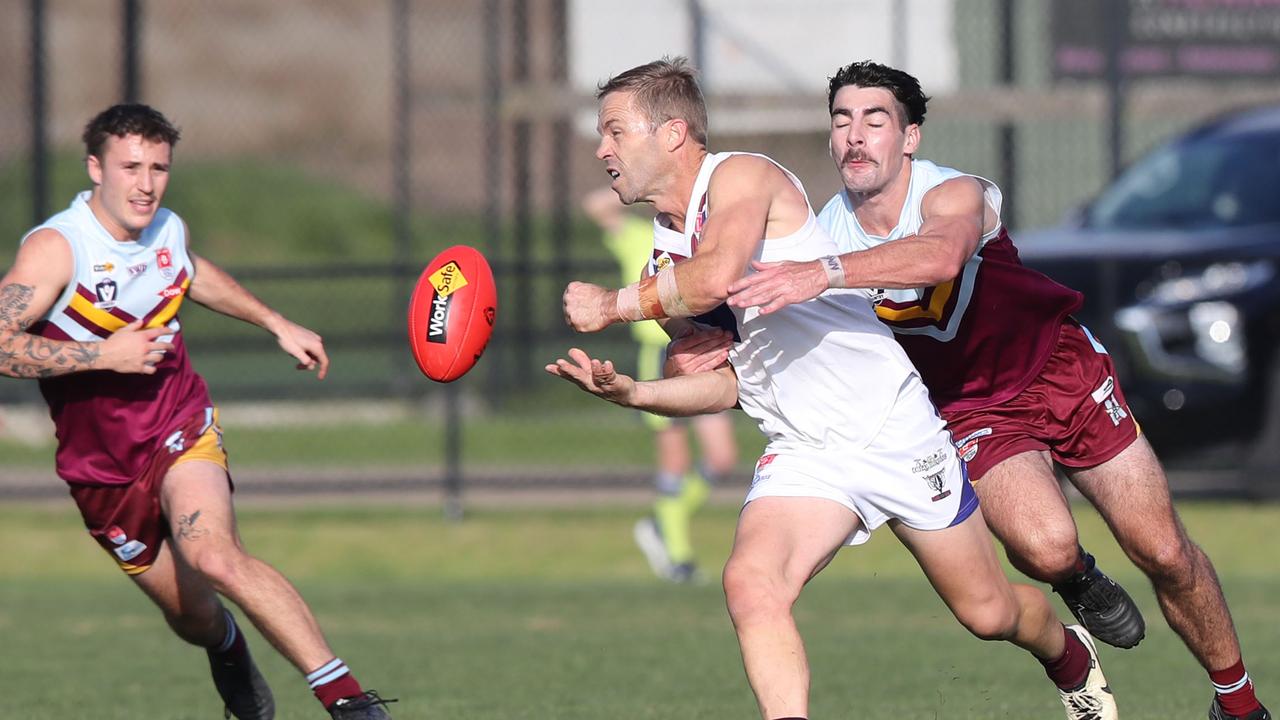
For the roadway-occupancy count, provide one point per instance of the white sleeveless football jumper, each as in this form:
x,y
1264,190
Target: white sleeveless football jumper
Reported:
x,y
845,413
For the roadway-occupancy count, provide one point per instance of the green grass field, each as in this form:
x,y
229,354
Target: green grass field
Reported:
x,y
580,433
538,613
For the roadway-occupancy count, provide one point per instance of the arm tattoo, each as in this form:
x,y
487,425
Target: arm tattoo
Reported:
x,y
187,529
24,355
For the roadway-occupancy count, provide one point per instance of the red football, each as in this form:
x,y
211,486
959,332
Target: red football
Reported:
x,y
451,313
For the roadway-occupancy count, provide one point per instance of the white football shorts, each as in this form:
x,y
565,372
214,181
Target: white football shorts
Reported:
x,y
909,471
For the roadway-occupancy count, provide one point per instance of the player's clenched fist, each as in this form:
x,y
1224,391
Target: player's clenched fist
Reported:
x,y
587,307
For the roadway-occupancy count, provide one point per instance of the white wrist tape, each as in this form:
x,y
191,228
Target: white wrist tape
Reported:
x,y
669,293
629,303
835,270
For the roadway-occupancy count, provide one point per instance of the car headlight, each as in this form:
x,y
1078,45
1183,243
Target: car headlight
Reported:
x,y
1215,281
1219,337
1187,327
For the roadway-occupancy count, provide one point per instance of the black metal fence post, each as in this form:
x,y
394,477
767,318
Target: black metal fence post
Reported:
x,y
562,146
401,179
39,132
698,39
1117,21
493,176
523,199
1008,129
131,41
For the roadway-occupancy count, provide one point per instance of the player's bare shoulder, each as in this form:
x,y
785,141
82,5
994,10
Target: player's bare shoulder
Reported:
x,y
954,194
43,268
756,177
959,196
44,256
743,171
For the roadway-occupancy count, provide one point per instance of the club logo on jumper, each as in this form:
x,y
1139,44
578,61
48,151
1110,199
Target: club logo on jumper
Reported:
x,y
116,535
105,267
164,261
136,270
130,550
699,221
876,295
106,292
936,484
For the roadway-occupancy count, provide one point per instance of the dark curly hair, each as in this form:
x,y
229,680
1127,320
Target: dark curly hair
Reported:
x,y
128,119
905,88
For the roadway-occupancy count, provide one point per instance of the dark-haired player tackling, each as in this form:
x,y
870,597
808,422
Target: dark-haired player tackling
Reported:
x,y
90,309
1020,383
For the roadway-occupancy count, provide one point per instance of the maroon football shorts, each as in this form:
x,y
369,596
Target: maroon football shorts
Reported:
x,y
127,520
1074,409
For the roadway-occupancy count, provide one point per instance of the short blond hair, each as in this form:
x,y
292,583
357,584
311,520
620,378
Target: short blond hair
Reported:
x,y
663,90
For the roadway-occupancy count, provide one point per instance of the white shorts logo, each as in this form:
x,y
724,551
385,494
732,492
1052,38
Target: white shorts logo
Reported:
x,y
130,550
936,484
968,445
175,442
1105,395
1108,386
1114,411
760,473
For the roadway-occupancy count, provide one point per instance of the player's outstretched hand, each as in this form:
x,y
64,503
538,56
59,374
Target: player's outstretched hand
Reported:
x,y
584,307
774,286
594,376
305,346
697,350
134,349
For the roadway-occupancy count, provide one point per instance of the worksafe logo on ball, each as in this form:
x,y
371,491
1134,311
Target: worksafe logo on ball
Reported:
x,y
446,281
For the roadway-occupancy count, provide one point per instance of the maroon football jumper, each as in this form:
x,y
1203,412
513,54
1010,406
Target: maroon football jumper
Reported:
x,y
119,433
1008,368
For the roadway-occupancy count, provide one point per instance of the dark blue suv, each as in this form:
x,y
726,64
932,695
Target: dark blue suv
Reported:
x,y
1179,260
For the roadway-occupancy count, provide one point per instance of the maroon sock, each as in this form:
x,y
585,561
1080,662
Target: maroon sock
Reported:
x,y
1235,690
332,682
233,646
1082,564
1069,671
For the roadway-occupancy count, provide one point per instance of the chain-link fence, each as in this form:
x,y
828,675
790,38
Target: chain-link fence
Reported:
x,y
330,147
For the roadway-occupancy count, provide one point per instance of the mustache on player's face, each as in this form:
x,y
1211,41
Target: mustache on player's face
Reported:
x,y
855,155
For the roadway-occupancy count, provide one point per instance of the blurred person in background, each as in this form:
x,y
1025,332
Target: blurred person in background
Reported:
x,y
853,439
1021,384
90,310
664,537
